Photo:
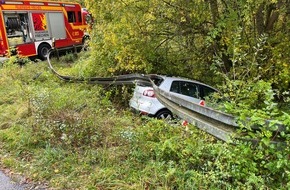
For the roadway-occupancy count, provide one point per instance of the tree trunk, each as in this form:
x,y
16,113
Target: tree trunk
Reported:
x,y
214,10
267,16
273,15
260,19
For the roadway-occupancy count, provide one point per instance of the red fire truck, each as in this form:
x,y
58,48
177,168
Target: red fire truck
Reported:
x,y
32,27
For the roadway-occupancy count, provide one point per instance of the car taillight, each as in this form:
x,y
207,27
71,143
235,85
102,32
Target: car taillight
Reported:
x,y
149,93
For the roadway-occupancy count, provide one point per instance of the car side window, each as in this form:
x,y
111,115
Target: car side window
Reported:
x,y
207,91
175,87
189,89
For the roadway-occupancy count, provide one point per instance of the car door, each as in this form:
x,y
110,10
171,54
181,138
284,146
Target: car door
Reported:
x,y
186,90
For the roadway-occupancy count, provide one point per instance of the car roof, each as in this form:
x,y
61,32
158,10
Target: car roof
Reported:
x,y
173,78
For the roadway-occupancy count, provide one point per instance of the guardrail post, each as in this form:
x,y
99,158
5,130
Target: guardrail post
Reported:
x,y
57,53
75,51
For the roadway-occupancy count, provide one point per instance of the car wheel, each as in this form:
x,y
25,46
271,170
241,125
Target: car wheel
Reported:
x,y
164,114
43,50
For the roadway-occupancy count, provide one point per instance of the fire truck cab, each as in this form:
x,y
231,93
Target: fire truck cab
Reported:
x,y
31,27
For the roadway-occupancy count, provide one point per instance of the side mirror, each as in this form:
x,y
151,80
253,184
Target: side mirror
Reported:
x,y
89,19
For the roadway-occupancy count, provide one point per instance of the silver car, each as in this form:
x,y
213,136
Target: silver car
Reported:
x,y
145,102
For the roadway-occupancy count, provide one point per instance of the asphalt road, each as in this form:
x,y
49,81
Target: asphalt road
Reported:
x,y
7,184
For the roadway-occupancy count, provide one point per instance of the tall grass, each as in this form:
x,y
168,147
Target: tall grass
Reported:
x,y
75,137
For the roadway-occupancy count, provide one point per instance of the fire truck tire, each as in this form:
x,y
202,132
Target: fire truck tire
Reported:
x,y
43,50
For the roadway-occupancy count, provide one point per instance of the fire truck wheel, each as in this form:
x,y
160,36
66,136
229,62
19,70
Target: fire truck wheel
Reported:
x,y
43,50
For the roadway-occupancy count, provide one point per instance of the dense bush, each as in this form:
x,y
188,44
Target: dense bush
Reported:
x,y
187,158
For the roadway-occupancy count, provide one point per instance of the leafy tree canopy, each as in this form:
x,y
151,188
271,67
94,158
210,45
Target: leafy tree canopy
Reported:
x,y
203,39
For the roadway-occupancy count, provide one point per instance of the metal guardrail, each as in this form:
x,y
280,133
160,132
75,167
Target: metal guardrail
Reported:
x,y
115,80
221,125
216,123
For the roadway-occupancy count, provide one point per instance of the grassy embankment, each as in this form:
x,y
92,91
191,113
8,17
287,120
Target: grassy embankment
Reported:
x,y
75,137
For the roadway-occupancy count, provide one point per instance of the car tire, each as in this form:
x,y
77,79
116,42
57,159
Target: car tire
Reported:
x,y
164,114
43,51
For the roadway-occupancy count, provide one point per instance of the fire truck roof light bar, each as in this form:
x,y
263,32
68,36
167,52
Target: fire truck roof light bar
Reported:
x,y
53,4
68,5
13,2
36,3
